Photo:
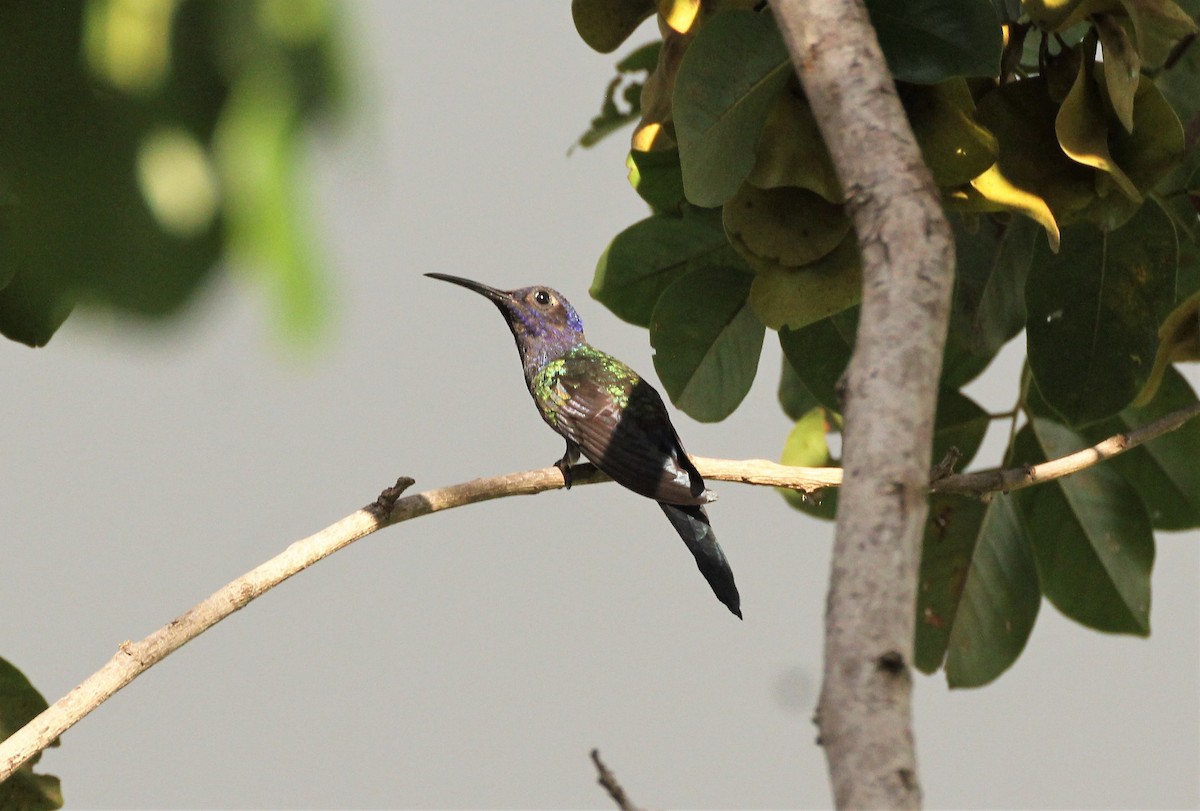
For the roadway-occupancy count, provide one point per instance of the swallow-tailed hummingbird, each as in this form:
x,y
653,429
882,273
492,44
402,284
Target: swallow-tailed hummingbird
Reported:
x,y
606,410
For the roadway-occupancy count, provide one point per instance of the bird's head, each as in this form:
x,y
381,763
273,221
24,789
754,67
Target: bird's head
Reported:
x,y
544,324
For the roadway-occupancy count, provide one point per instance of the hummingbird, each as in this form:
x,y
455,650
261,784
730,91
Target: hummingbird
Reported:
x,y
610,414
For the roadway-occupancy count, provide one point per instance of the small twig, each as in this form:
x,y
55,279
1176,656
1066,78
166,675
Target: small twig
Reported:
x,y
610,784
986,482
1019,406
945,467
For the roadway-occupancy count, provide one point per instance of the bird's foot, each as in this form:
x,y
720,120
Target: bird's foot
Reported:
x,y
568,459
564,467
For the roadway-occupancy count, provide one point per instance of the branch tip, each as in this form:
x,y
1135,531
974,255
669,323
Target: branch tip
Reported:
x,y
609,782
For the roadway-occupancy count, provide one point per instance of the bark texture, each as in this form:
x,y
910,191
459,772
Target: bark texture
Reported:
x,y
890,393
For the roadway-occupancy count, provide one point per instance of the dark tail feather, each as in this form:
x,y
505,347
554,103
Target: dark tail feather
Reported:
x,y
691,522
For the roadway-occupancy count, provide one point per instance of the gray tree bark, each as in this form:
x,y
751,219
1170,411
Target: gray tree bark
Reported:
x,y
890,393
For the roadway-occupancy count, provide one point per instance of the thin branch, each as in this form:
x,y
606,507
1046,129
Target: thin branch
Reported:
x,y
610,784
134,658
986,482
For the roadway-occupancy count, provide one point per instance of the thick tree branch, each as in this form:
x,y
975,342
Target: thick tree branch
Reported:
x,y
134,658
864,713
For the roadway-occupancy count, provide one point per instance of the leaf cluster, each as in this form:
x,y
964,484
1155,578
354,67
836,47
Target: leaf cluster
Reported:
x,y
1064,136
145,142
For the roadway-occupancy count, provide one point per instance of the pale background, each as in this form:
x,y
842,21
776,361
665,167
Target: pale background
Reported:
x,y
473,658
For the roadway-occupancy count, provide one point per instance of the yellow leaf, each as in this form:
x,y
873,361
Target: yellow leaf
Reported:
x,y
1021,116
679,14
645,136
995,187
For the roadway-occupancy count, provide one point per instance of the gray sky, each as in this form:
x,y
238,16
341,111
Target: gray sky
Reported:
x,y
473,658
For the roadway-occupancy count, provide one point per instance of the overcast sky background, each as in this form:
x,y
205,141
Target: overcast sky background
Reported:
x,y
474,658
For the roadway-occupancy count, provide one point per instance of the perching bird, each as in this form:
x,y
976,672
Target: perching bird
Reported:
x,y
604,409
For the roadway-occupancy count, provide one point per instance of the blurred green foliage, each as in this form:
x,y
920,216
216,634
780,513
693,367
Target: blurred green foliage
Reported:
x,y
145,142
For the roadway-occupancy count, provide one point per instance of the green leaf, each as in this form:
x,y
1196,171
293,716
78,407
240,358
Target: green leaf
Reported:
x,y
657,178
1094,312
959,364
784,227
929,41
1159,25
796,297
1180,83
1156,145
1082,128
1184,188
806,446
819,353
791,151
1164,471
794,398
1032,175
728,81
26,791
978,596
706,342
33,306
1122,66
605,24
649,256
1008,10
20,703
991,265
960,423
1091,537
955,148
1179,341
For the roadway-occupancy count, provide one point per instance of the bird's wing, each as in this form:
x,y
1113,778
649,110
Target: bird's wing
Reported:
x,y
621,425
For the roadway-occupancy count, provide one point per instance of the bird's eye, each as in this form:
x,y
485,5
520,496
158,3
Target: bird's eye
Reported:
x,y
542,297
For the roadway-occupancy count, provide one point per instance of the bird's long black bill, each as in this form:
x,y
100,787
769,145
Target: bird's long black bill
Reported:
x,y
692,525
481,289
